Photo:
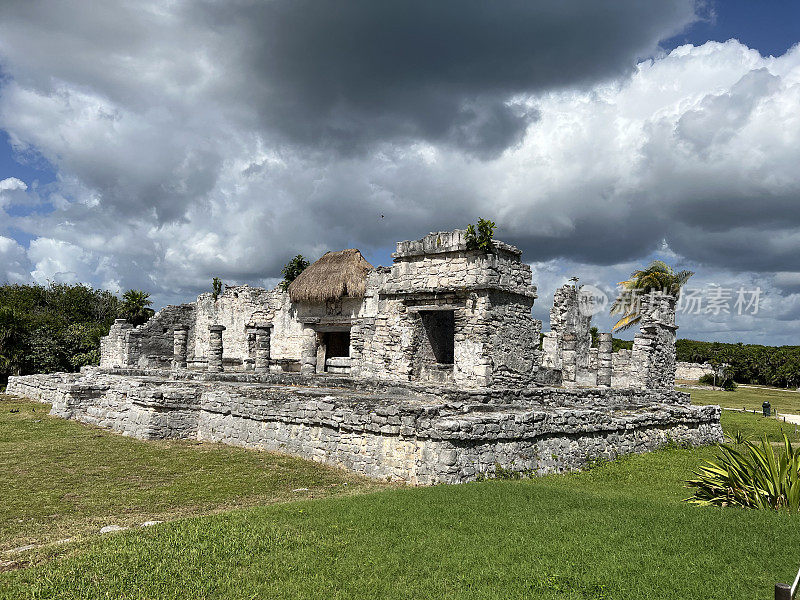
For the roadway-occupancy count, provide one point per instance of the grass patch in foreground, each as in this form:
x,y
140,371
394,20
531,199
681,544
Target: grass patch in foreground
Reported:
x,y
750,398
60,478
619,531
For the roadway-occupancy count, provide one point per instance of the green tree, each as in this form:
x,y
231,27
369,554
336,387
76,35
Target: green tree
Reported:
x,y
135,307
658,276
292,269
53,328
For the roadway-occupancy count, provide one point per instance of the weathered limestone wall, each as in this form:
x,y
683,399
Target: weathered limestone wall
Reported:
x,y
382,341
419,437
440,262
653,355
114,347
688,371
621,368
514,339
149,345
152,344
238,307
495,339
567,318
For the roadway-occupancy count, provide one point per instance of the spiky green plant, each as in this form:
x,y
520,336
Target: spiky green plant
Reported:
x,y
752,476
658,276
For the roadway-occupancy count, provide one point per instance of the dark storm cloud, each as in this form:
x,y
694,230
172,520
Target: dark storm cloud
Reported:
x,y
219,139
349,73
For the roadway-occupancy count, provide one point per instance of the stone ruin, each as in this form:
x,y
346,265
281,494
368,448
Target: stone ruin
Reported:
x,y
429,371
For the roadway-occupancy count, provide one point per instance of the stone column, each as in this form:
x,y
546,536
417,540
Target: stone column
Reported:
x,y
262,349
652,363
215,348
308,360
180,339
604,365
568,367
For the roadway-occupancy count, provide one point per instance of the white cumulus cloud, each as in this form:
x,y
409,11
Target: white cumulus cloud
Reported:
x,y
174,167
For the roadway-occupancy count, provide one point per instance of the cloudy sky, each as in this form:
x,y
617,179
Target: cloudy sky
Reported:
x,y
155,145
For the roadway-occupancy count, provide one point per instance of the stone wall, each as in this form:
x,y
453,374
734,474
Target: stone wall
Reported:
x,y
567,319
150,344
489,296
409,435
652,363
621,368
114,346
688,371
238,307
440,262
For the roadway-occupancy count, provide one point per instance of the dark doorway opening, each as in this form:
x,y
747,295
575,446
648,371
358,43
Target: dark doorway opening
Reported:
x,y
440,331
337,343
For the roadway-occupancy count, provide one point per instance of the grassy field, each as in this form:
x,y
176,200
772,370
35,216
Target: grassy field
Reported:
x,y
620,530
751,398
59,479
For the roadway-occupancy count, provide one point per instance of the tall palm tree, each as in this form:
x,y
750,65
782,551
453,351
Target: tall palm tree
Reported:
x,y
659,276
135,305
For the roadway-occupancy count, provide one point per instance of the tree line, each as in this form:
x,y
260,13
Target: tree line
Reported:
x,y
746,363
47,329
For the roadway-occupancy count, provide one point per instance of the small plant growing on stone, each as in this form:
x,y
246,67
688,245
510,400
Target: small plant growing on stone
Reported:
x,y
292,269
479,237
216,288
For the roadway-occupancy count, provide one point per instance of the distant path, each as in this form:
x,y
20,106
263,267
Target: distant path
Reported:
x,y
794,419
789,418
766,387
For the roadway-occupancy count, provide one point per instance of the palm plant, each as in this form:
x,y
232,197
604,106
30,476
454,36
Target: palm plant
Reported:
x,y
135,307
753,477
658,276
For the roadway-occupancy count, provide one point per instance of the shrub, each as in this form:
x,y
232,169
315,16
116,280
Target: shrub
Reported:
x,y
753,477
723,381
746,363
56,328
480,237
708,379
216,288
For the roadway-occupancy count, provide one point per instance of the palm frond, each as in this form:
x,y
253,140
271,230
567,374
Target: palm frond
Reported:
x,y
627,321
658,276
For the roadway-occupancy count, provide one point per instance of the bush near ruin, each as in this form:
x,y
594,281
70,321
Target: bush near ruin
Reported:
x,y
53,328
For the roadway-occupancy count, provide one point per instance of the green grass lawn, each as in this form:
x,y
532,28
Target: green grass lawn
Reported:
x,y
620,530
59,478
750,398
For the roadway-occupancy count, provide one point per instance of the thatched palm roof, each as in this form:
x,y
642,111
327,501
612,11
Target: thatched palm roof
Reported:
x,y
336,274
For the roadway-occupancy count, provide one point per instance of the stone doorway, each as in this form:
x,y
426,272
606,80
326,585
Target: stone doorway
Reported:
x,y
333,352
337,344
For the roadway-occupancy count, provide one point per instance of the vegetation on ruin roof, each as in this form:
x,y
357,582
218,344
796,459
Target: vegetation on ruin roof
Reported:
x,y
333,276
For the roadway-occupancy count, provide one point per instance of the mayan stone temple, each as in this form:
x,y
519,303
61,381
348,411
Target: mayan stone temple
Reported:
x,y
427,371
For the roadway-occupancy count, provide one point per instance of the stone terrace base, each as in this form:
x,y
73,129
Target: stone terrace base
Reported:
x,y
400,432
